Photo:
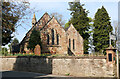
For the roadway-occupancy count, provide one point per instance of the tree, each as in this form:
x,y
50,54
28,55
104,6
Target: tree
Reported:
x,y
15,41
34,39
12,12
91,35
67,25
80,21
10,47
4,51
59,18
102,27
115,23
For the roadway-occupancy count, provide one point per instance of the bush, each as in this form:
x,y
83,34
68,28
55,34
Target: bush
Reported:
x,y
4,51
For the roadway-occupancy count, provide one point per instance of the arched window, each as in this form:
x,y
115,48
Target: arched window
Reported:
x,y
73,44
69,44
48,39
57,39
52,37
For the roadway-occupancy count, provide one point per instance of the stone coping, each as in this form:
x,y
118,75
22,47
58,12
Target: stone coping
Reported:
x,y
58,57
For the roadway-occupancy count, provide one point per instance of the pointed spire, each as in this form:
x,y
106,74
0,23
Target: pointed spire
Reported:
x,y
34,15
33,20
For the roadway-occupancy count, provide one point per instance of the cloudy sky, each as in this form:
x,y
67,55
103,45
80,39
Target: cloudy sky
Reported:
x,y
61,6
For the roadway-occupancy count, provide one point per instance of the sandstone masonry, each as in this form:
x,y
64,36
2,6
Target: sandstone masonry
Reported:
x,y
75,66
55,39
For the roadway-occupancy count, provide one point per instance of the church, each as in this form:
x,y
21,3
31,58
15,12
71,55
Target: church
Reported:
x,y
54,38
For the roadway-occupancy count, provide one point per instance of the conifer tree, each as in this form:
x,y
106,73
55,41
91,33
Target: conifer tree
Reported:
x,y
80,21
34,39
15,41
102,27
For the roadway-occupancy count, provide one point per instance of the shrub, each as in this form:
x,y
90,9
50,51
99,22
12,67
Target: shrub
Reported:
x,y
4,51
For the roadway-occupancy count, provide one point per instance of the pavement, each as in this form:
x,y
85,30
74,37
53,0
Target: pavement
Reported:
x,y
31,75
28,75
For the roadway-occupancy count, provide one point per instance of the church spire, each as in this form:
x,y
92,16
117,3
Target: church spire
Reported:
x,y
33,20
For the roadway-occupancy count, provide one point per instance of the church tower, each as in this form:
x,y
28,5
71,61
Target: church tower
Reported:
x,y
33,20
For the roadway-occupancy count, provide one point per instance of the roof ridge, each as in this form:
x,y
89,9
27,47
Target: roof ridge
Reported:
x,y
49,21
43,15
46,23
59,23
68,27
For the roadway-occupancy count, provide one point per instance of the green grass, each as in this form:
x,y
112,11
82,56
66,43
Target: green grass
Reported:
x,y
24,54
48,54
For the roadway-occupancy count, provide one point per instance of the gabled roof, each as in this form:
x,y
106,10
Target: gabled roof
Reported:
x,y
44,15
33,27
26,34
66,28
71,25
46,23
50,20
111,47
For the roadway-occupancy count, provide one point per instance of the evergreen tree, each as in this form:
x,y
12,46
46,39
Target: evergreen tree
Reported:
x,y
15,41
67,25
102,27
80,21
34,39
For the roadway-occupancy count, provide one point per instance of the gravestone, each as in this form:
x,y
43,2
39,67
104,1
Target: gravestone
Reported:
x,y
37,50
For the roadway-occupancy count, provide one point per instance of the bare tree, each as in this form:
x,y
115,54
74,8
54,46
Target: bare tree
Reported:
x,y
59,18
115,23
14,13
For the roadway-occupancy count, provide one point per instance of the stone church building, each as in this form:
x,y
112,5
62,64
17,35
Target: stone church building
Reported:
x,y
54,38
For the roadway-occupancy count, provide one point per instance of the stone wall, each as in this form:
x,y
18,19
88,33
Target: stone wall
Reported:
x,y
76,46
75,66
83,67
60,48
30,64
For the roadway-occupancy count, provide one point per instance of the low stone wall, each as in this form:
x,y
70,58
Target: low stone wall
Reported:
x,y
30,64
75,66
